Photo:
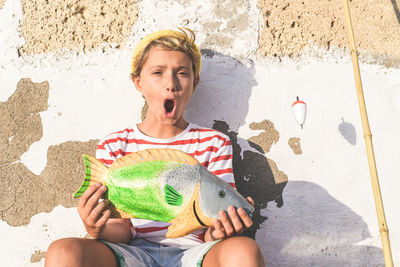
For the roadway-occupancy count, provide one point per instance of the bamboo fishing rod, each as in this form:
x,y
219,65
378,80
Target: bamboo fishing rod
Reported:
x,y
387,253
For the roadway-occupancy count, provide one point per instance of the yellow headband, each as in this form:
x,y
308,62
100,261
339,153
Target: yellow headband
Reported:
x,y
157,35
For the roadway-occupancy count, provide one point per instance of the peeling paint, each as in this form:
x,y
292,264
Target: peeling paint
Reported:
x,y
294,144
289,28
22,193
20,121
50,26
33,194
64,169
329,214
231,27
38,256
267,138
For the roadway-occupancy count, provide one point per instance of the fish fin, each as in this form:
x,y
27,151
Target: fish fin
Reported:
x,y
162,154
126,160
177,155
172,197
95,172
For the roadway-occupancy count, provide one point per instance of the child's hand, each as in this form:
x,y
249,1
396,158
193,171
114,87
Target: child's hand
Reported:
x,y
235,224
91,210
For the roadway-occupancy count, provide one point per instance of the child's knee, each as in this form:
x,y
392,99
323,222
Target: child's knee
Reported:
x,y
244,250
63,250
242,243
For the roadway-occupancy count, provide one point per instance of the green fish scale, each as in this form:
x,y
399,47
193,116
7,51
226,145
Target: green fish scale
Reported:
x,y
135,189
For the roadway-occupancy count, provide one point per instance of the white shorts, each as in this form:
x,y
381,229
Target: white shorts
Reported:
x,y
141,252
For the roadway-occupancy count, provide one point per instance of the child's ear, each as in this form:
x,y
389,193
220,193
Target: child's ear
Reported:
x,y
136,82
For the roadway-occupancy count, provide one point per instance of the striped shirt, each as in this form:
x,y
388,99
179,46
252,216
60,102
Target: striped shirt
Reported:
x,y
211,148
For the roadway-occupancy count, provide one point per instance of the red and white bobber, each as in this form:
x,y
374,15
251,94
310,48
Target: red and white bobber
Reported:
x,y
299,110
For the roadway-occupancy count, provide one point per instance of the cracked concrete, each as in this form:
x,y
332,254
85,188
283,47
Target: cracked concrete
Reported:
x,y
289,28
28,194
22,193
51,26
20,120
230,20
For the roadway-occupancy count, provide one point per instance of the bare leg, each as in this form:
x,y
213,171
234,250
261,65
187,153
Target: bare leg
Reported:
x,y
74,252
235,251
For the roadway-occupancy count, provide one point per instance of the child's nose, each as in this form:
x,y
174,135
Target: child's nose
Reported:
x,y
172,83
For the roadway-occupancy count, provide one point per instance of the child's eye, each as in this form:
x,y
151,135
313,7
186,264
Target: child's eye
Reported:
x,y
157,72
182,73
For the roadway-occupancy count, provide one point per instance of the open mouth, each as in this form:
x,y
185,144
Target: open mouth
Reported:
x,y
169,105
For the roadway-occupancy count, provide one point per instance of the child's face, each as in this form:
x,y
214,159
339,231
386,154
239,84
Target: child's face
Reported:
x,y
167,82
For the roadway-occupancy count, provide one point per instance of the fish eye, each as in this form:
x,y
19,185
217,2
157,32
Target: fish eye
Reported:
x,y
221,193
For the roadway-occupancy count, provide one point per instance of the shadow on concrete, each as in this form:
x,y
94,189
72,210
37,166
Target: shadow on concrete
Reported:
x,y
348,131
213,99
396,10
253,177
315,229
224,108
312,228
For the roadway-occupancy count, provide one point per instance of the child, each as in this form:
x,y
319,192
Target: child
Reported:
x,y
165,69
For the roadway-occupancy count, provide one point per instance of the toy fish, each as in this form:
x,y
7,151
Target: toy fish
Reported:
x,y
163,185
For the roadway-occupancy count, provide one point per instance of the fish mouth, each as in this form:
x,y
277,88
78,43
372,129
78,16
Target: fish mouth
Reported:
x,y
197,216
169,106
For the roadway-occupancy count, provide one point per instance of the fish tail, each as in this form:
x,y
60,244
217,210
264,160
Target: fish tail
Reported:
x,y
95,172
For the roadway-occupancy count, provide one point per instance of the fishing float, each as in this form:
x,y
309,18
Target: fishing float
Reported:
x,y
299,109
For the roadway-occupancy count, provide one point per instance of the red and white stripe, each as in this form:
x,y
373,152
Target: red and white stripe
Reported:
x,y
211,148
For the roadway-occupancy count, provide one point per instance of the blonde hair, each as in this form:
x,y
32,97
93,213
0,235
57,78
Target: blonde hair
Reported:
x,y
182,40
